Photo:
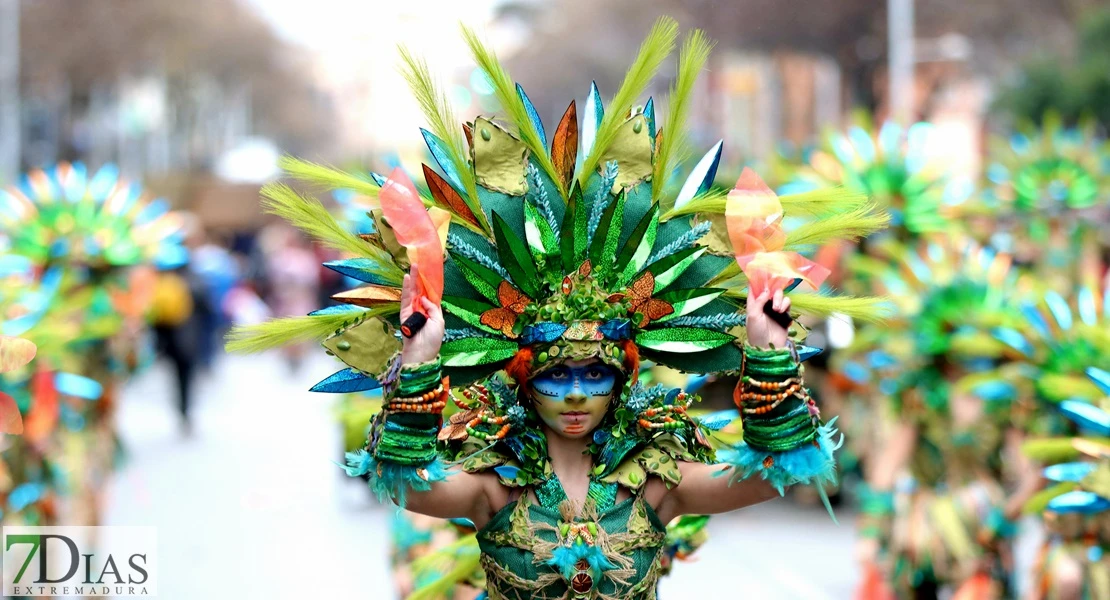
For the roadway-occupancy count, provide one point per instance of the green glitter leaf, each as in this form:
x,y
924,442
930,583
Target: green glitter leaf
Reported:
x,y
638,247
516,258
606,236
469,311
682,339
572,232
669,268
687,301
484,279
470,352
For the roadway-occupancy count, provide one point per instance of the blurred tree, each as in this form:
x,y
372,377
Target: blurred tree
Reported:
x,y
1076,86
571,38
203,55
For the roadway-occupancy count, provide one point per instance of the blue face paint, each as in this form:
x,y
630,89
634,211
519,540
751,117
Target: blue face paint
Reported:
x,y
595,380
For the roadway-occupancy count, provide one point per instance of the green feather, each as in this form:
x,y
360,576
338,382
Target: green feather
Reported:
x,y
637,249
606,236
469,311
867,309
687,301
712,201
249,339
674,147
572,232
511,103
308,215
443,123
469,352
682,339
816,203
483,279
516,258
328,177
853,225
823,202
655,49
669,268
1039,502
441,570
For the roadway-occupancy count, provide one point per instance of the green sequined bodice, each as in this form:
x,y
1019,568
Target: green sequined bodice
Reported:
x,y
522,544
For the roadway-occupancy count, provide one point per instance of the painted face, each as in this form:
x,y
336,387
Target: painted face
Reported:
x,y
572,398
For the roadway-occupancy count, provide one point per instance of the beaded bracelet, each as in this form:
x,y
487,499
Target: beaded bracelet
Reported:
x,y
433,401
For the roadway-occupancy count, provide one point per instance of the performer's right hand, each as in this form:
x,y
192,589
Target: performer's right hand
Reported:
x,y
424,346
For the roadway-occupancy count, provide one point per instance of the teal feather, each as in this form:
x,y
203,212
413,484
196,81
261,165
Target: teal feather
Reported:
x,y
391,482
564,558
442,153
533,115
806,465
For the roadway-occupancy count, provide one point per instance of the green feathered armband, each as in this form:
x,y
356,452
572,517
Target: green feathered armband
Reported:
x,y
401,452
785,441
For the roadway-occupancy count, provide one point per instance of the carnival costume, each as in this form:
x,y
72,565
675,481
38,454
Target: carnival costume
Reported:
x,y
1074,561
552,254
889,163
1065,344
944,519
74,282
1048,189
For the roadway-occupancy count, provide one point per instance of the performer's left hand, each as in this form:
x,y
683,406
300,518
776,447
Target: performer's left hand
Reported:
x,y
763,331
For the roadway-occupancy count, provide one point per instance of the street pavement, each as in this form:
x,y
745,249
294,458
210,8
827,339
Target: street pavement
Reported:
x,y
253,506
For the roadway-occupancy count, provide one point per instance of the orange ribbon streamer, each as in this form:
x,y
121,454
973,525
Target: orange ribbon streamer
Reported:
x,y
753,216
423,233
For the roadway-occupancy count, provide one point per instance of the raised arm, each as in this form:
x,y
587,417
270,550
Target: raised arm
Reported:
x,y
784,441
400,458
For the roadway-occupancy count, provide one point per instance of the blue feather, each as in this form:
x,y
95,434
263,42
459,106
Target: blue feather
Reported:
x,y
1087,416
1078,502
79,386
718,420
1100,378
649,116
542,332
591,120
103,182
442,154
1086,305
346,381
1060,310
807,352
362,269
1035,317
1014,339
337,310
1073,471
391,481
808,465
701,178
994,390
861,140
532,114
